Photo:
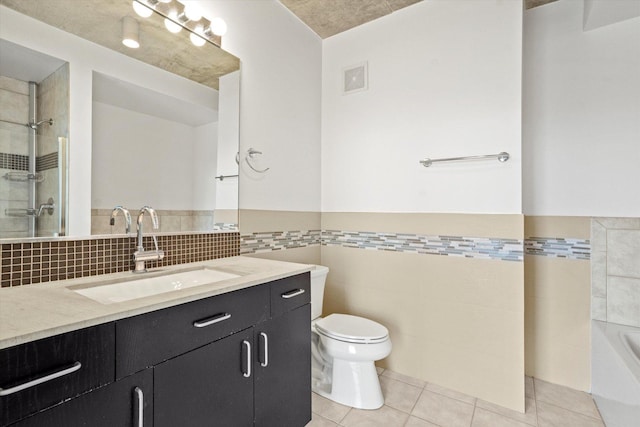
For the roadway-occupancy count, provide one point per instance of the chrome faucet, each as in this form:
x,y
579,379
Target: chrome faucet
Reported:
x,y
127,217
140,255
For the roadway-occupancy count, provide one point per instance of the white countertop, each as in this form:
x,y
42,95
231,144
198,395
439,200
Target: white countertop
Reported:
x,y
36,311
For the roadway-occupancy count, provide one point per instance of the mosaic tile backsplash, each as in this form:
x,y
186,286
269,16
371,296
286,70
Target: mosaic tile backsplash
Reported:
x,y
42,261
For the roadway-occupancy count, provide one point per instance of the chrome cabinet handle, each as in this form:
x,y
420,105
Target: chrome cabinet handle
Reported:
x,y
266,350
32,383
212,320
293,293
139,406
247,345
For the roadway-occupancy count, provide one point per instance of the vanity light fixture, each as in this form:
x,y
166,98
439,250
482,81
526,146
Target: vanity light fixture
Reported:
x,y
178,16
196,38
170,23
142,10
130,32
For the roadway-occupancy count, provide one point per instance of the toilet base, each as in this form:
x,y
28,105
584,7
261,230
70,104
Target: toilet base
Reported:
x,y
354,384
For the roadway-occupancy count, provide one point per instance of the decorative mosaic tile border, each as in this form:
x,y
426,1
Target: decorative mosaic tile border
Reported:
x,y
278,240
558,247
468,247
47,161
17,162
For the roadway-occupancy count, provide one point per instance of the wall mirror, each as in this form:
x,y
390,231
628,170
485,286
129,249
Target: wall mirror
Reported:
x,y
160,124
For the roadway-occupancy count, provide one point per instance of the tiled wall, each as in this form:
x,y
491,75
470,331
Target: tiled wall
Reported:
x,y
171,221
557,294
615,270
14,154
53,103
38,261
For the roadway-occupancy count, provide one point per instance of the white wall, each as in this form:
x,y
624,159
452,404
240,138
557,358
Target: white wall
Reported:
x,y
204,171
161,151
280,101
444,80
85,57
228,137
581,122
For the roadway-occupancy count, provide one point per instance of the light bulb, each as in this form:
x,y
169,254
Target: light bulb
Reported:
x,y
218,26
196,39
130,32
170,25
141,9
192,12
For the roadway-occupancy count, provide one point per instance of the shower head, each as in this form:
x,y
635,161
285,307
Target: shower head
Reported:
x,y
35,125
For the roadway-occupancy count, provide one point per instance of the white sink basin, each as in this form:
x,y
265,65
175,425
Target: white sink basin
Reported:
x,y
144,287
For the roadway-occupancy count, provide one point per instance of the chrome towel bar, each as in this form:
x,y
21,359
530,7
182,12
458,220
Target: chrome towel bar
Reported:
x,y
222,177
502,157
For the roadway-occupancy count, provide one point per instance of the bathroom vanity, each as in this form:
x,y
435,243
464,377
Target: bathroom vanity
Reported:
x,y
231,353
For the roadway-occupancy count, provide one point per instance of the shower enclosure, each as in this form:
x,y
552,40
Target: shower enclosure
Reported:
x,y
33,153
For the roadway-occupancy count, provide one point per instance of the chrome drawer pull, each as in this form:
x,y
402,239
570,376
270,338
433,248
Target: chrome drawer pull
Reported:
x,y
212,320
266,350
293,293
139,406
63,372
247,345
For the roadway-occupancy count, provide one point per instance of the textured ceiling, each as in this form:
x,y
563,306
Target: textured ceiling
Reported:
x,y
330,17
100,21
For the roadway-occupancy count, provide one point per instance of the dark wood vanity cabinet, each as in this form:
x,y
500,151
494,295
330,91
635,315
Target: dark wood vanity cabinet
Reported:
x,y
237,359
115,405
40,374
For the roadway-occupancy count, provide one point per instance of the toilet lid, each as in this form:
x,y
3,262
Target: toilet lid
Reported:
x,y
344,327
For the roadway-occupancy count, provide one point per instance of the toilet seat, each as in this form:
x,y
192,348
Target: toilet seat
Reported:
x,y
352,329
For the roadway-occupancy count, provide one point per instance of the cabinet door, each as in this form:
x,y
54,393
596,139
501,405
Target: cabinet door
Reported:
x,y
283,370
117,404
209,386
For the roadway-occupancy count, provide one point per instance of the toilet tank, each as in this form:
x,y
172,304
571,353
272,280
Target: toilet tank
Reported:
x,y
318,278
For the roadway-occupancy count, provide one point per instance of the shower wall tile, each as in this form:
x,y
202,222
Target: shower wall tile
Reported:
x,y
623,301
13,85
599,274
623,253
599,308
15,107
615,270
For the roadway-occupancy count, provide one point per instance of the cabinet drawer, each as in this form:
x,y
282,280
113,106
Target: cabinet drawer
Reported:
x,y
152,338
115,405
59,367
290,293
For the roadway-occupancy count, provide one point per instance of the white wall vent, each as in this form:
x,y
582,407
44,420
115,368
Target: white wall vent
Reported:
x,y
354,78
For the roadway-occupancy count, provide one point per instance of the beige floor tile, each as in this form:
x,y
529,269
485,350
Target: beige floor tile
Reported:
x,y
443,410
404,378
327,408
383,417
450,393
380,370
318,421
399,395
554,416
418,422
528,387
484,418
564,397
529,417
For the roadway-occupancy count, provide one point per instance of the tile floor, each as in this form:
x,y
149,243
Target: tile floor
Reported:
x,y
413,403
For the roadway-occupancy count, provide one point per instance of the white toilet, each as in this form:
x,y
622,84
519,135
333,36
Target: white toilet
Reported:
x,y
344,349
